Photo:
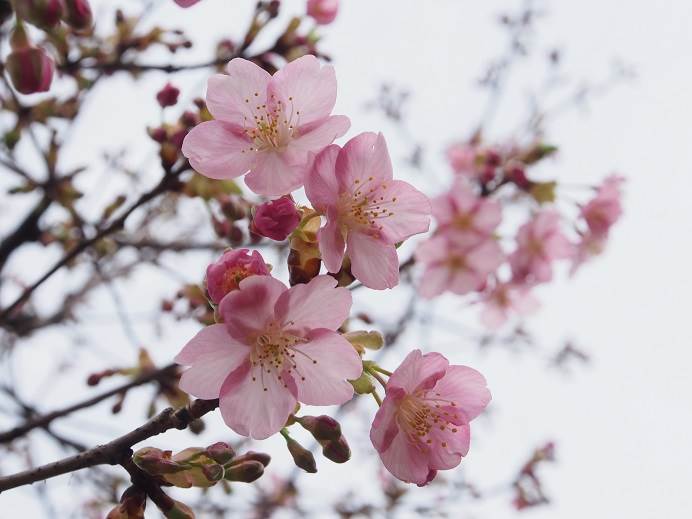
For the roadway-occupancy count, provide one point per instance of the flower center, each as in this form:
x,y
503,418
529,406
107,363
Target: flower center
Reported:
x,y
365,205
272,125
232,277
423,416
273,355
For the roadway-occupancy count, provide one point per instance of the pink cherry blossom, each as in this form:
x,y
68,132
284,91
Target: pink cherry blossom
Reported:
x,y
276,347
226,273
268,125
504,299
367,212
462,158
423,423
539,242
456,262
588,246
461,210
605,208
276,219
323,11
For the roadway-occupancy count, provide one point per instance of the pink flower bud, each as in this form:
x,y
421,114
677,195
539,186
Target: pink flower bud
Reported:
x,y
302,457
30,69
323,11
186,3
276,219
224,275
168,95
322,428
41,13
263,458
220,452
337,450
78,14
247,471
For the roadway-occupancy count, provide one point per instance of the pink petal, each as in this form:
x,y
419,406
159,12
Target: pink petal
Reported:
x,y
331,244
213,354
488,216
411,211
363,157
418,371
405,461
373,262
464,281
433,250
256,408
249,309
216,152
321,186
317,304
384,426
306,88
443,209
434,281
466,387
456,446
486,257
232,98
322,134
323,367
493,316
275,174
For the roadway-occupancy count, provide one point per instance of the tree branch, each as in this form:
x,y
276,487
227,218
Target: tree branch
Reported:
x,y
116,451
44,420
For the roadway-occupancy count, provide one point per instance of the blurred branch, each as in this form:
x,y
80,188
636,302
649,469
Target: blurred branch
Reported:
x,y
116,451
46,419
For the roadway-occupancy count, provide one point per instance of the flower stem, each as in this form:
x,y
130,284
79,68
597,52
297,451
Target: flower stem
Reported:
x,y
377,398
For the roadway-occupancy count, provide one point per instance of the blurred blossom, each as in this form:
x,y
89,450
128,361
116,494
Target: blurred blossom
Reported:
x,y
323,11
462,210
78,14
504,299
168,95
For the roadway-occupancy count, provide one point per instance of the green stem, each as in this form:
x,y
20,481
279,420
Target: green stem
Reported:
x,y
377,398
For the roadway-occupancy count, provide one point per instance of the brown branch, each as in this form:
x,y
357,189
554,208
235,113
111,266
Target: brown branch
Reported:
x,y
164,185
116,451
27,231
44,420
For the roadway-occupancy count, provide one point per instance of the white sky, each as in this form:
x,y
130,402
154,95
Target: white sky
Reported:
x,y
622,422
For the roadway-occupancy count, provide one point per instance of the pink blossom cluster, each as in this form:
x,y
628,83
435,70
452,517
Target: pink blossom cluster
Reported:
x,y
274,347
464,255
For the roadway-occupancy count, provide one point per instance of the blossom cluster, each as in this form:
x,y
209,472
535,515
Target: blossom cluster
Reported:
x,y
465,255
273,347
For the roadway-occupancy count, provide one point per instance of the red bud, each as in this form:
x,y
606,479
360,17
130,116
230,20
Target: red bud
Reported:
x,y
78,14
30,69
41,13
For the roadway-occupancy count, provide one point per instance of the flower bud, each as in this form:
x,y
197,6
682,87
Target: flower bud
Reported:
x,y
132,505
276,219
363,339
155,461
337,450
323,11
247,471
186,3
168,95
30,68
302,457
78,14
220,452
213,473
263,458
41,13
224,275
322,428
363,385
179,511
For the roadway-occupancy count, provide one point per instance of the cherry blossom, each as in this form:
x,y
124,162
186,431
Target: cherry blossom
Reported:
x,y
323,11
504,299
461,210
276,219
456,262
367,212
269,126
422,425
276,347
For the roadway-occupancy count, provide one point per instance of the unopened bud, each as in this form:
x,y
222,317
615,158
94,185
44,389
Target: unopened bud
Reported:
x,y
263,458
247,471
78,14
213,473
302,457
220,452
132,505
168,95
30,69
322,428
155,461
179,511
41,13
370,340
337,450
363,385
276,219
